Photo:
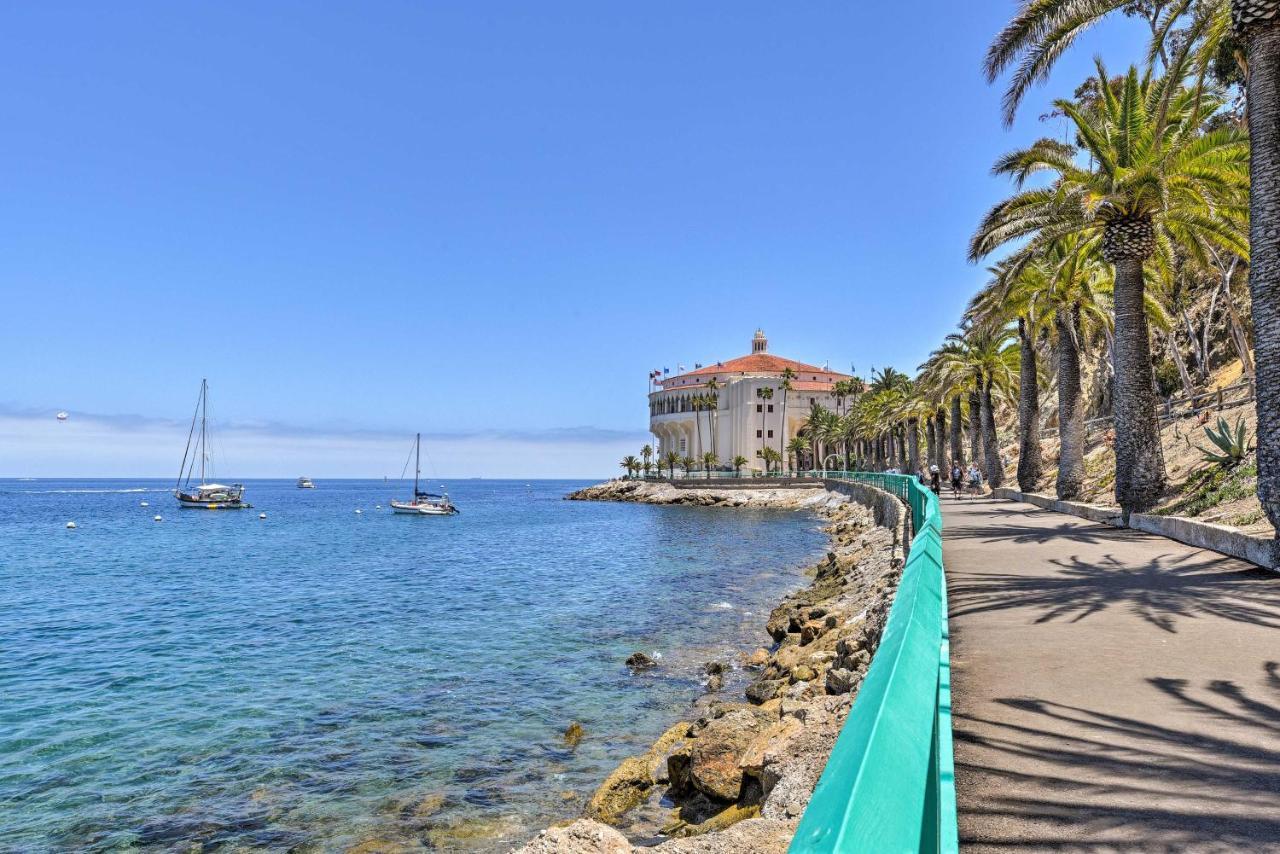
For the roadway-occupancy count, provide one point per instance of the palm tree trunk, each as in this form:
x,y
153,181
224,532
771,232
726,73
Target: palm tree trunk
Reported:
x,y
957,440
990,440
913,445
975,426
1140,472
941,421
1029,466
931,440
1262,50
782,442
1070,407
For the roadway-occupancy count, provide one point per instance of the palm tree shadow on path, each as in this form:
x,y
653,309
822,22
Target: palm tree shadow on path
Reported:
x,y
1160,591
1043,775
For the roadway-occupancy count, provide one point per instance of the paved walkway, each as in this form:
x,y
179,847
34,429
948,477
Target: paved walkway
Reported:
x,y
1113,690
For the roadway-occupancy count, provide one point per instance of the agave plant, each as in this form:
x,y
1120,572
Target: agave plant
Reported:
x,y
1233,443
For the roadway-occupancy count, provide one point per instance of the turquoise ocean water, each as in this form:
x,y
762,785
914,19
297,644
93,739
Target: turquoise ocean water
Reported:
x,y
322,678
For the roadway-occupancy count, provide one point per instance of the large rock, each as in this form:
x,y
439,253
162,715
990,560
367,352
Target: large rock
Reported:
x,y
764,690
640,661
625,788
714,754
584,836
768,743
755,835
667,743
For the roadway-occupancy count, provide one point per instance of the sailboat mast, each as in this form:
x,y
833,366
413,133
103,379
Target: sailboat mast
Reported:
x,y
204,412
417,466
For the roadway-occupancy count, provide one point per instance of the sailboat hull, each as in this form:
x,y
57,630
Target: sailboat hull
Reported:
x,y
197,504
220,500
411,509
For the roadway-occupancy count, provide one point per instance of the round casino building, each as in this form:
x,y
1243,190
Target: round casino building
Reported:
x,y
742,421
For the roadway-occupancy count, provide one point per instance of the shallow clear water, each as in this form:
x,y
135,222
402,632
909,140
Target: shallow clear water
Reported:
x,y
322,677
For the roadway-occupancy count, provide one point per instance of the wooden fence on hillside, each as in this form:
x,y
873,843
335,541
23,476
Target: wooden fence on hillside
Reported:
x,y
1218,400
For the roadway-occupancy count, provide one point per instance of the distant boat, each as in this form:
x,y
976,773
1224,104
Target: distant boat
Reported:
x,y
305,483
204,495
62,416
423,503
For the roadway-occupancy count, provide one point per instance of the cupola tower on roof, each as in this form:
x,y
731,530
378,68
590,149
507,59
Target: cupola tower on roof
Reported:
x,y
759,344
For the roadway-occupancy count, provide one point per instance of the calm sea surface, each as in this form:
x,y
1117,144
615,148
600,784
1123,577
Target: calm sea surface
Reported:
x,y
322,678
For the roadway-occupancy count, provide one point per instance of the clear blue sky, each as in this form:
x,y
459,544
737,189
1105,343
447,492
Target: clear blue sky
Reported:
x,y
474,219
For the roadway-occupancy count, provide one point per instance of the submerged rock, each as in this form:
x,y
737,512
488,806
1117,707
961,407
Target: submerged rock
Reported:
x,y
640,661
573,734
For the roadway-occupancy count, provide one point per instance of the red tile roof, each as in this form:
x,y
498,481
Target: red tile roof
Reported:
x,y
759,363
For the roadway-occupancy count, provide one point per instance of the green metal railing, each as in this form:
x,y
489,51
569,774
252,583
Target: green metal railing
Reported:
x,y
889,785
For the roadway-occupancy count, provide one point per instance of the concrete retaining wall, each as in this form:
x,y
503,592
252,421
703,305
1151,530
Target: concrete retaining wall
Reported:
x,y
1205,535
1093,512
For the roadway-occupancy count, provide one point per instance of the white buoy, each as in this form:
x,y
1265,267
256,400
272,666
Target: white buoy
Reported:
x,y
262,515
359,511
157,518
71,524
143,504
377,507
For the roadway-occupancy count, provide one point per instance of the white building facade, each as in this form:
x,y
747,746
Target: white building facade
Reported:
x,y
742,422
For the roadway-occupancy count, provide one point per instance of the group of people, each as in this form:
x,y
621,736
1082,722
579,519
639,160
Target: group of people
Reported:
x,y
960,479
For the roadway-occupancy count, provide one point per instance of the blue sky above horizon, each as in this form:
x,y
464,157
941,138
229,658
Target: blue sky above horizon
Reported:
x,y
483,221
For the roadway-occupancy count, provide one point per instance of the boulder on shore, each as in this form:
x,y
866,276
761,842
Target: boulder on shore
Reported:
x,y
714,754
621,791
584,836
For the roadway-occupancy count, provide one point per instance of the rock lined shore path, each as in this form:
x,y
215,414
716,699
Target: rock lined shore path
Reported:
x,y
1112,690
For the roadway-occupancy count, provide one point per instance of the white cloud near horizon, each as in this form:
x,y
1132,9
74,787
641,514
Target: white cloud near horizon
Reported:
x,y
36,444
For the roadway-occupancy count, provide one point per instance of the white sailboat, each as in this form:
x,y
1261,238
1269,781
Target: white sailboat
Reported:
x,y
204,495
423,503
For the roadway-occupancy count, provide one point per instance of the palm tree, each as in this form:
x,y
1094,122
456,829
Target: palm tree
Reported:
x,y
631,464
698,402
764,395
1042,31
1013,295
672,459
713,404
795,448
787,376
709,461
770,457
738,462
1155,178
646,454
1064,291
687,463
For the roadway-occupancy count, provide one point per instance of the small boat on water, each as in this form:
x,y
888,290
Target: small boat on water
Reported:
x,y
423,503
204,495
305,483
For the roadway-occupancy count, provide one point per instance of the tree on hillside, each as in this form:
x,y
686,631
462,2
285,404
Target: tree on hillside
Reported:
x,y
1154,178
1248,31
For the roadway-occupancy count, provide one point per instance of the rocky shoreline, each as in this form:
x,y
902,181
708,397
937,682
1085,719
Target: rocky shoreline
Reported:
x,y
737,775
